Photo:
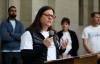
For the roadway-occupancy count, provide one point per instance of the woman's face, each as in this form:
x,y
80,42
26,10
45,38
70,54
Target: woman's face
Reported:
x,y
47,18
65,26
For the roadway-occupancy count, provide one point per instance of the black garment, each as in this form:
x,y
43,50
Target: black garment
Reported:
x,y
39,53
74,39
98,61
11,58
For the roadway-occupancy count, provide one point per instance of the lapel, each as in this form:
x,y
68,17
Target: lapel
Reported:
x,y
10,27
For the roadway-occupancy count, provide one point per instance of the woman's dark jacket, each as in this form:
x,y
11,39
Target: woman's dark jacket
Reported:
x,y
74,39
39,53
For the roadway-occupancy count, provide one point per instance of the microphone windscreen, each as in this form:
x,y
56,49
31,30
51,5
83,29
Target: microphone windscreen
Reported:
x,y
51,33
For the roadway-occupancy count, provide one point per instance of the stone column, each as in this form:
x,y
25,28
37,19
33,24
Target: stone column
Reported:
x,y
36,5
99,5
85,12
96,5
90,9
26,12
3,9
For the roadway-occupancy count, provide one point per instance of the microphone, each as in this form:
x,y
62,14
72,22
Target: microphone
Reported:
x,y
51,33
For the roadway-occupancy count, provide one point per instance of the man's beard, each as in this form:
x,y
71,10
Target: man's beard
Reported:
x,y
12,16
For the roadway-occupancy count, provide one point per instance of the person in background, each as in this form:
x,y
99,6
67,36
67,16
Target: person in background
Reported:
x,y
10,33
91,36
98,19
70,37
40,43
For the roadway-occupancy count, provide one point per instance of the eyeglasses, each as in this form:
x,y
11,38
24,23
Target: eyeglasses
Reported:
x,y
49,15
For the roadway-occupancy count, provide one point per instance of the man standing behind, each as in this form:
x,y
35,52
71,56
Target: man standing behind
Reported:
x,y
91,35
11,30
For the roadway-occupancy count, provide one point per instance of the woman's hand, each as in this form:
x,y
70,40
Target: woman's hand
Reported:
x,y
47,42
63,43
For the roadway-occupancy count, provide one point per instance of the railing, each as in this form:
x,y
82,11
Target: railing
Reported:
x,y
84,59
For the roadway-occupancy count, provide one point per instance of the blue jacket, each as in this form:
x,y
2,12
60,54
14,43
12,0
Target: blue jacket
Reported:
x,y
10,39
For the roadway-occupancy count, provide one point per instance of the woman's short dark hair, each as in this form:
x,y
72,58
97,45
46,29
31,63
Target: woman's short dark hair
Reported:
x,y
65,19
94,13
36,25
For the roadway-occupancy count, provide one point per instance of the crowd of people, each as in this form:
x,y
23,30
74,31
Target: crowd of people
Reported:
x,y
40,42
